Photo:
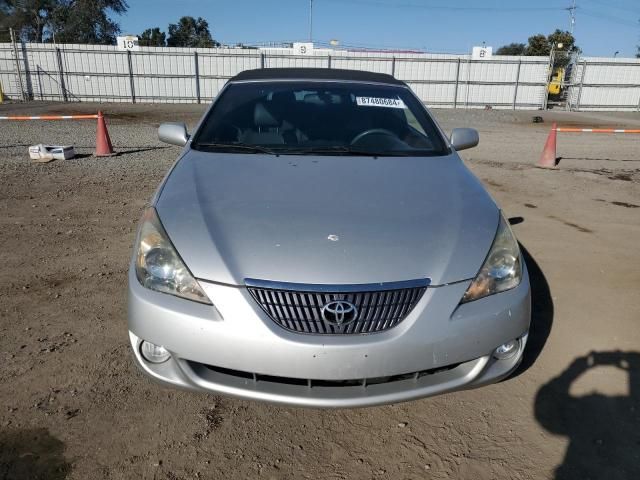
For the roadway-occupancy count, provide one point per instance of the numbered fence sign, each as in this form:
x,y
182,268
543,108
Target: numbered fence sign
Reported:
x,y
300,48
128,43
481,53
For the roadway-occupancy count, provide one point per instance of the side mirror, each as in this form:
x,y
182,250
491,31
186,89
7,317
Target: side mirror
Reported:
x,y
173,133
462,138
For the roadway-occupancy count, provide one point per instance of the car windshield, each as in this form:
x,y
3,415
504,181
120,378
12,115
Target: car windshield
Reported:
x,y
319,118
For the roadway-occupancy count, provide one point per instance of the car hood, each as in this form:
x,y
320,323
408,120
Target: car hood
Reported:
x,y
327,219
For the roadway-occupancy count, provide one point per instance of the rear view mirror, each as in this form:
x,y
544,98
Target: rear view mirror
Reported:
x,y
462,138
173,133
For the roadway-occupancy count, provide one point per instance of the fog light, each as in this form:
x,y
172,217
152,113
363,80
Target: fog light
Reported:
x,y
154,353
506,350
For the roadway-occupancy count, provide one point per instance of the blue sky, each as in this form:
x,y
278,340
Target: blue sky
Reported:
x,y
451,26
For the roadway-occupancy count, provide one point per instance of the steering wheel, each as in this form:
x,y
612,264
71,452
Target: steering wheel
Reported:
x,y
372,131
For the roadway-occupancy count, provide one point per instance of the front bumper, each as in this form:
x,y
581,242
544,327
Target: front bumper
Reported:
x,y
235,349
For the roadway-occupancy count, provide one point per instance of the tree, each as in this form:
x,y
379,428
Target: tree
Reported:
x,y
512,49
638,52
153,37
87,21
540,45
565,38
189,32
78,21
4,22
29,18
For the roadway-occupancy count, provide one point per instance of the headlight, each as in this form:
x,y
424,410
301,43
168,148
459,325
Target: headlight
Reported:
x,y
501,270
158,265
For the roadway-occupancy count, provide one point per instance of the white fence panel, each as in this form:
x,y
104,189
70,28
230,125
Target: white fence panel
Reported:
x,y
605,84
8,77
152,74
379,65
291,61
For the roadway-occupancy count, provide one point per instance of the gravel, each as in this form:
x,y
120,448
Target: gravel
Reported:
x,y
72,405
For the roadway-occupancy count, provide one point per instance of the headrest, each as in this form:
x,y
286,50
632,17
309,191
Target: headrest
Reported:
x,y
286,97
313,98
263,118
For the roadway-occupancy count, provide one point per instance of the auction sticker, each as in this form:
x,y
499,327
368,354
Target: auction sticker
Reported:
x,y
380,102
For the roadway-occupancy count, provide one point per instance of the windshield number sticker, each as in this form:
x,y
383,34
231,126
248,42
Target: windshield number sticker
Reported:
x,y
380,102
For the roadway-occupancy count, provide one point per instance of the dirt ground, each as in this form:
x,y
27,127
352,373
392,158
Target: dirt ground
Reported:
x,y
73,405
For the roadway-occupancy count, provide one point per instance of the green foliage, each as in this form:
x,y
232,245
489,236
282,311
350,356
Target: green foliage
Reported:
x,y
71,21
29,18
153,37
4,22
189,32
565,38
86,21
540,45
512,49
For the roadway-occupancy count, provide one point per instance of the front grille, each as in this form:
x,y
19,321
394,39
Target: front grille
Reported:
x,y
310,383
299,308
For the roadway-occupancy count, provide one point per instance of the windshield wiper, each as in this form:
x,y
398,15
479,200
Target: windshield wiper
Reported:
x,y
237,146
338,149
348,150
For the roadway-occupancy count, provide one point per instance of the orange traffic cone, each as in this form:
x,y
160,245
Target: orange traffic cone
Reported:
x,y
548,157
103,142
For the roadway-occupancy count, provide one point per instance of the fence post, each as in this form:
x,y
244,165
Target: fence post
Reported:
x,y
468,83
63,88
393,66
329,61
455,90
39,81
18,69
197,68
131,82
515,93
584,69
262,60
27,71
549,76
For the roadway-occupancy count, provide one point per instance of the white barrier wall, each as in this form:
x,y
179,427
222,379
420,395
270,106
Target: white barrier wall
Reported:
x,y
605,84
184,75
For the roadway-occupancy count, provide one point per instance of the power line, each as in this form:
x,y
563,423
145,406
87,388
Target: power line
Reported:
x,y
610,5
445,7
609,18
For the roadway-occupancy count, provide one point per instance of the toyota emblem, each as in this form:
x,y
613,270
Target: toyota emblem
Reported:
x,y
339,312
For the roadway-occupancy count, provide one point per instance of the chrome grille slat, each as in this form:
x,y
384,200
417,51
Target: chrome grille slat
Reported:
x,y
299,308
389,320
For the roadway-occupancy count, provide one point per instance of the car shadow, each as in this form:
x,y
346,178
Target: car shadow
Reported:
x,y
541,314
30,454
603,430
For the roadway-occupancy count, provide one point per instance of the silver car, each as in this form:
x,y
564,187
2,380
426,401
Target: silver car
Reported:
x,y
320,243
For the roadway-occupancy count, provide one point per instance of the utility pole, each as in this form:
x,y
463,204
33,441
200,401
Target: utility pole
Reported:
x,y
311,20
572,16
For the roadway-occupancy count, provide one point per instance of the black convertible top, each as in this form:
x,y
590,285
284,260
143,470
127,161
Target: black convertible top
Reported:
x,y
315,74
